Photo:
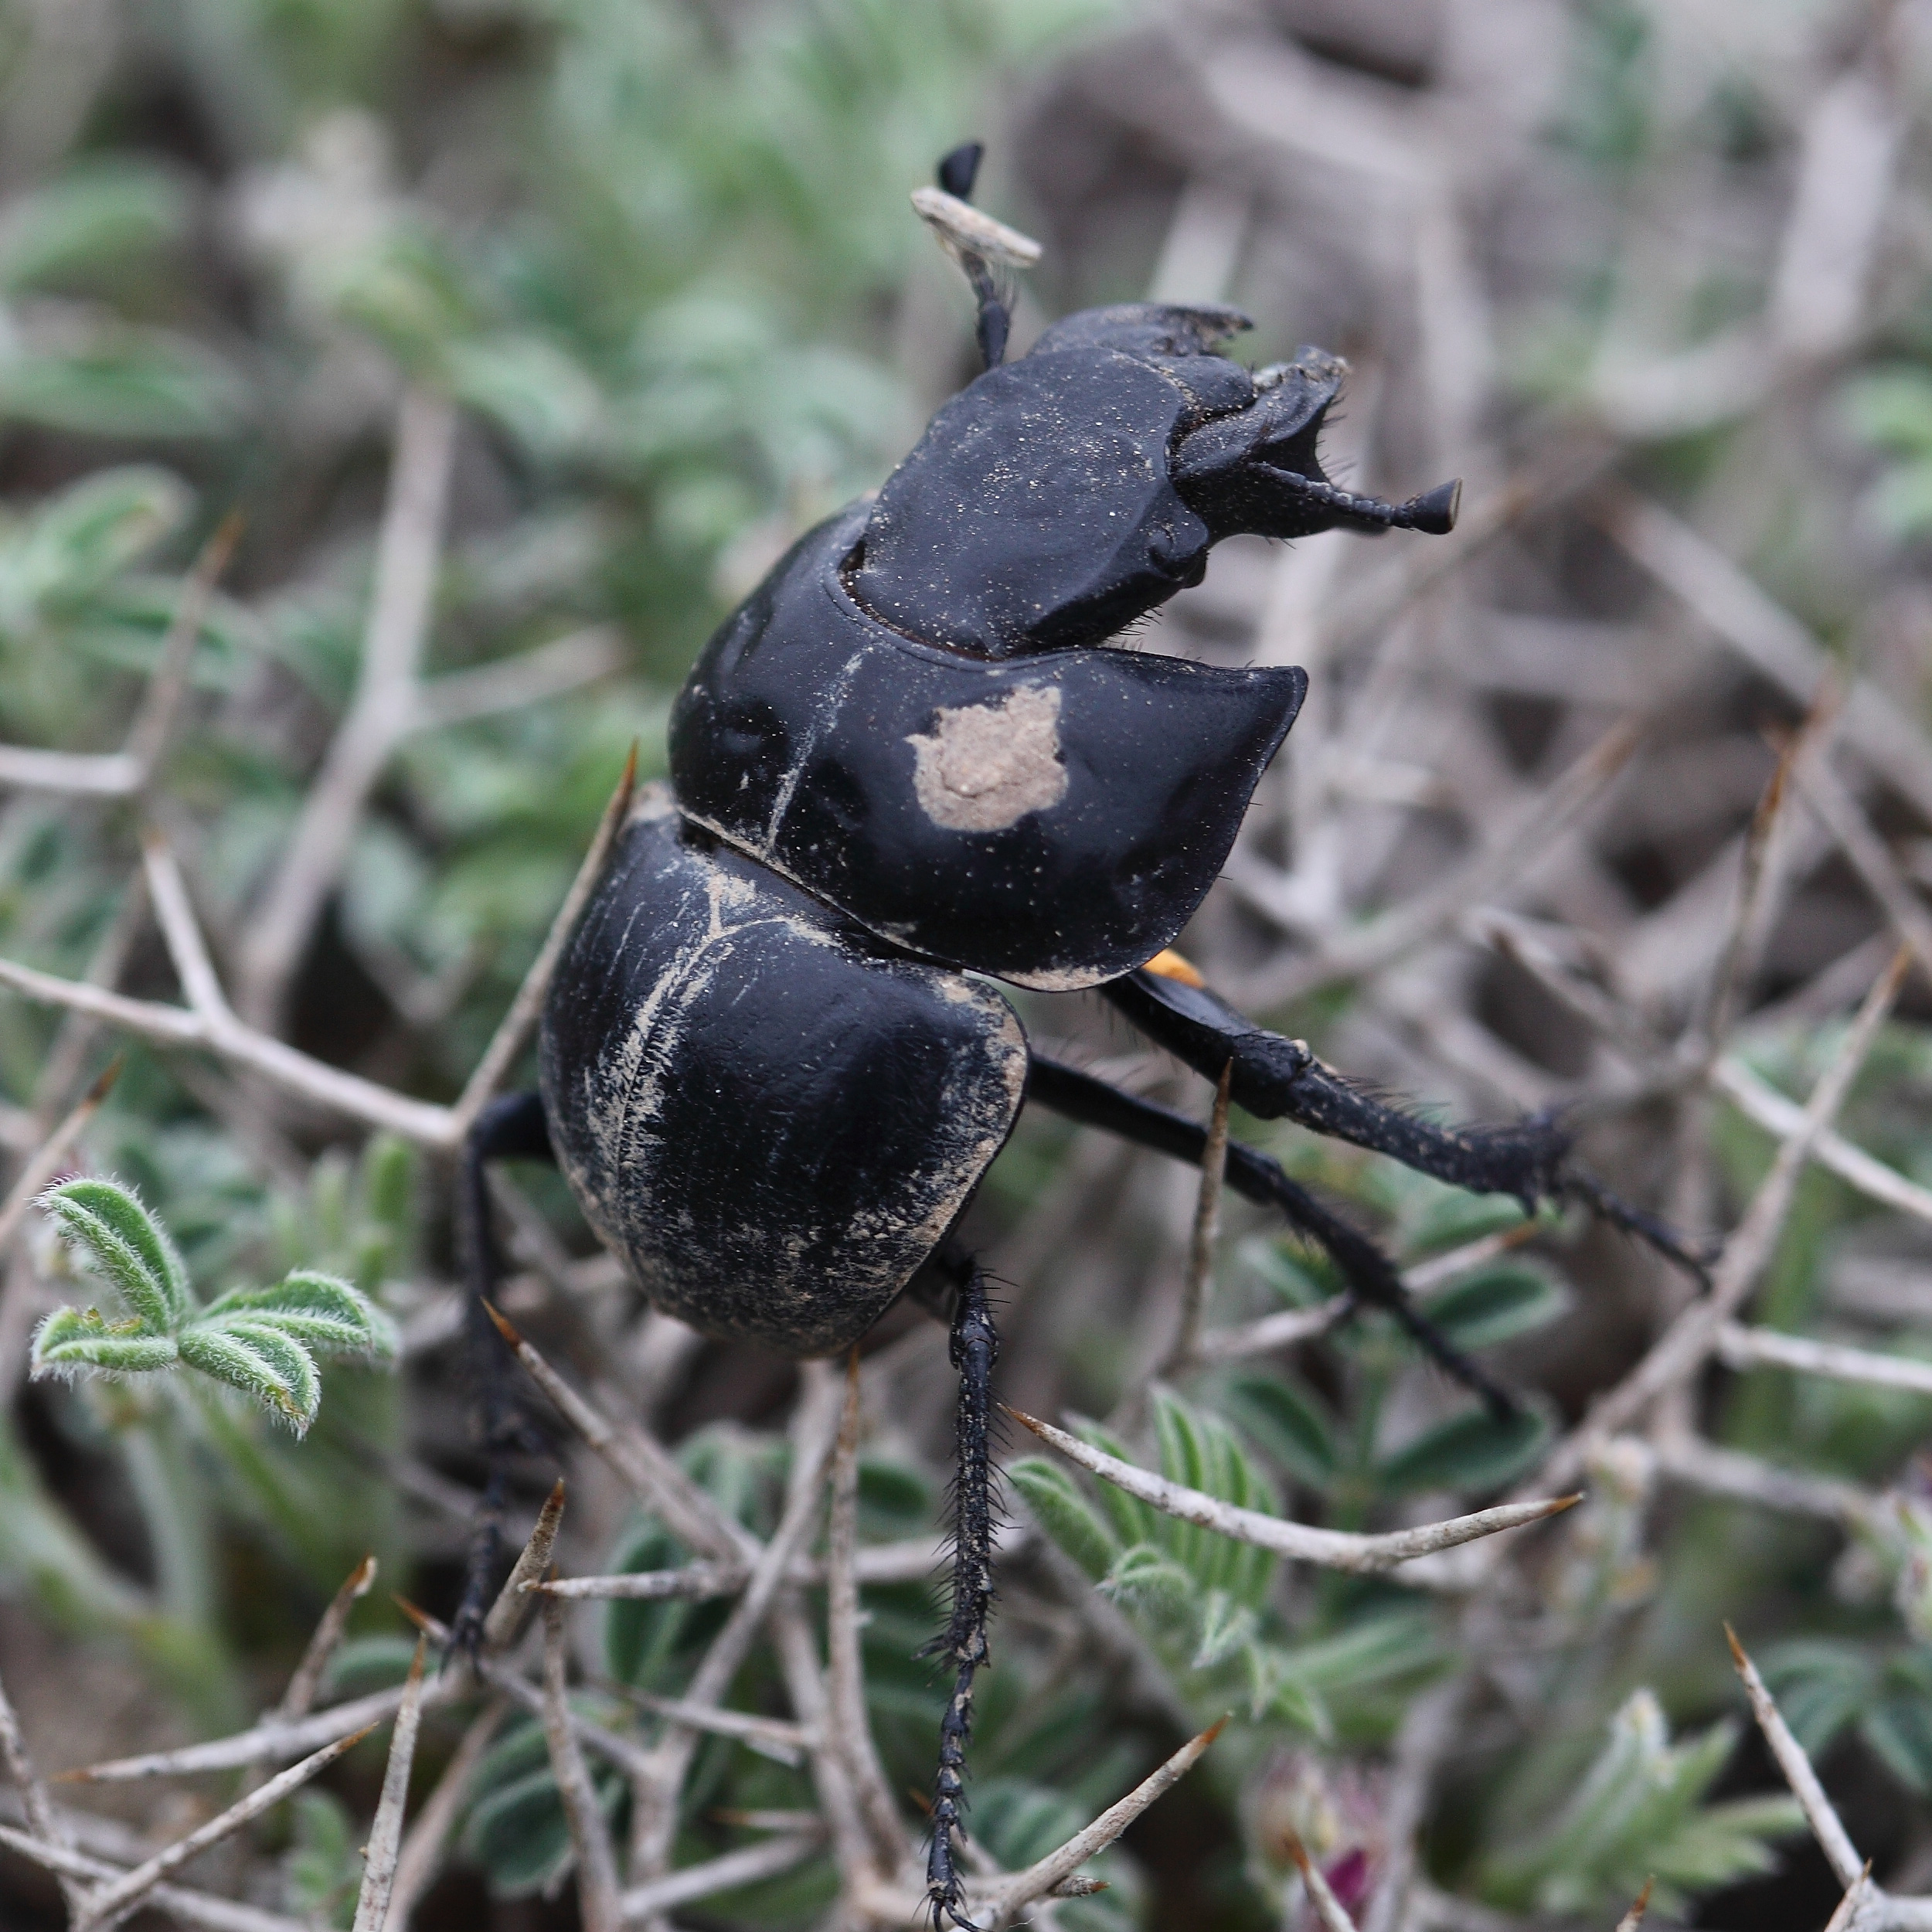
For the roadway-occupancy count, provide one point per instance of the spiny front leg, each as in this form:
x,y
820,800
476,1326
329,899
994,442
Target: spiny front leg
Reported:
x,y
975,1348
1277,1078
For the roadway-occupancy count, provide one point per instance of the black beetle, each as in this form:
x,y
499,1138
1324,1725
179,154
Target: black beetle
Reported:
x,y
909,757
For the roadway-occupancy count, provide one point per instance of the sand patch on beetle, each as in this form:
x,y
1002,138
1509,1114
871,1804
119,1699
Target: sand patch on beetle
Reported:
x,y
984,766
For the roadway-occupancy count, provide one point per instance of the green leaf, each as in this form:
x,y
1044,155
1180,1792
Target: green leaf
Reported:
x,y
1290,1422
1065,1514
119,1239
319,1310
123,381
1145,1576
71,1340
262,1361
1892,409
1497,1305
1899,1730
96,217
1820,1686
1226,1625
322,1870
1133,1522
1473,1451
539,395
1281,1269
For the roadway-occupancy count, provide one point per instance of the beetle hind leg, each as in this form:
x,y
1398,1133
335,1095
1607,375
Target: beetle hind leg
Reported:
x,y
975,1348
511,1128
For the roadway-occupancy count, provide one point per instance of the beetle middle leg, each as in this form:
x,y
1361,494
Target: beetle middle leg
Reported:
x,y
1372,1277
1276,1078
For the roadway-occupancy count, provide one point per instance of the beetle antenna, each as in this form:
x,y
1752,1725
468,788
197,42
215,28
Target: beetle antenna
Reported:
x,y
977,244
1434,513
974,1350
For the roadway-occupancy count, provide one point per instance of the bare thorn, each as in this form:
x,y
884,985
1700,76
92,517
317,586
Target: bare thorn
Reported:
x,y
112,1902
1820,1814
509,1616
306,1679
1038,1880
646,1468
1328,1908
1634,1917
597,1903
201,1910
422,1851
385,1834
514,1029
1336,1548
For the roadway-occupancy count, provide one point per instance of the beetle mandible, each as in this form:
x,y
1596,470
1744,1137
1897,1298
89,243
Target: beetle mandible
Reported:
x,y
913,755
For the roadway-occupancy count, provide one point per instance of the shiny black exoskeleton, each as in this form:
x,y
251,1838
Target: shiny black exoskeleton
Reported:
x,y
917,753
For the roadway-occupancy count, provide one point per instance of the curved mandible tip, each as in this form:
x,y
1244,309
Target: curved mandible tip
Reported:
x,y
1435,511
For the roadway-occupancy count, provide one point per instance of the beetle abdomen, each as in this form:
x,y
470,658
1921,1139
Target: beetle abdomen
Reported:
x,y
770,1118
1053,819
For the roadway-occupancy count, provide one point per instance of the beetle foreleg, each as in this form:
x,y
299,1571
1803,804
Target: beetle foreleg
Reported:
x,y
512,1128
1255,1176
975,1348
1276,1078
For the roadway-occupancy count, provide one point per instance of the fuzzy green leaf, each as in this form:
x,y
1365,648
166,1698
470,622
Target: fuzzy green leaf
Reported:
x,y
319,1310
1065,1514
1473,1451
261,1360
120,1240
72,1340
1498,1305
1899,1730
1820,1686
1143,1575
1289,1422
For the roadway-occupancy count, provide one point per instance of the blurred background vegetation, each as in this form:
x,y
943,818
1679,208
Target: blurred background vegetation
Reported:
x,y
580,310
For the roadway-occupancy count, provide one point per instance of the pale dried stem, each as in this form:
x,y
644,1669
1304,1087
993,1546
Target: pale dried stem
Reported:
x,y
850,1732
45,1162
774,1736
1838,811
111,1902
1742,1347
1328,1908
380,713
1428,1731
1688,1459
509,1616
34,1801
1690,1339
1506,856
385,1840
74,1041
1640,1905
1293,1325
814,1435
1001,1904
805,1686
1772,641
306,1679
117,774
421,1855
902,1562
1334,1549
597,1865
722,1874
200,1909
1771,1110
1185,1351
1834,1841
342,1092
564,664
514,1029
1856,1904
641,1463
261,1743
